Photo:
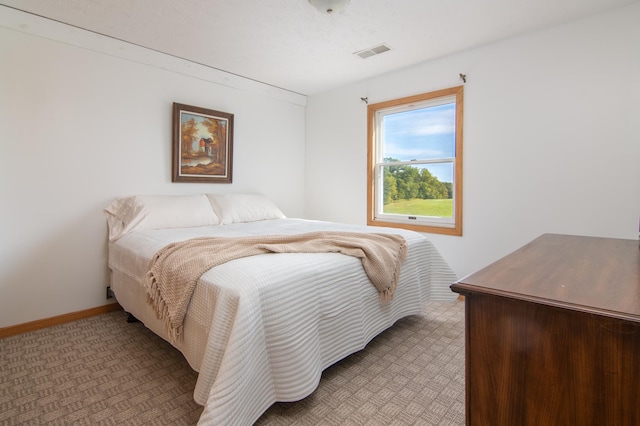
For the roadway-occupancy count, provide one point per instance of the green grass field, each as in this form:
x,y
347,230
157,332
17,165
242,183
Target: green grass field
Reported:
x,y
419,207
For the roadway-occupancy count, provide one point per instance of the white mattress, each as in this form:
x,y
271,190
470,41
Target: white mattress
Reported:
x,y
296,313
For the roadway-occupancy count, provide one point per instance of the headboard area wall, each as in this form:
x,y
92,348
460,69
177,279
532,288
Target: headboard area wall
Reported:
x,y
86,119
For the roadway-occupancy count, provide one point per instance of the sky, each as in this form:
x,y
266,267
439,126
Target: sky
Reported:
x,y
425,133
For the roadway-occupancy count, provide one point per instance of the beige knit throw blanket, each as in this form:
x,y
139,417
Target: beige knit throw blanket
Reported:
x,y
175,269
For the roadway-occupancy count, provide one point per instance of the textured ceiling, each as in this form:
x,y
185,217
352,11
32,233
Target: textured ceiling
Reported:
x,y
289,44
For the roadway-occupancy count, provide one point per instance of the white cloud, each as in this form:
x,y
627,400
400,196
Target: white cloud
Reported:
x,y
422,122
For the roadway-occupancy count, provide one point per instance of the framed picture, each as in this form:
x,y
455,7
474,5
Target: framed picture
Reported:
x,y
202,145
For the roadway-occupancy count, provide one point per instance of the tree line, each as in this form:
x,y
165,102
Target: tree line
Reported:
x,y
408,182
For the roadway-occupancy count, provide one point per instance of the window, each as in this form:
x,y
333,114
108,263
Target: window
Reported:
x,y
415,162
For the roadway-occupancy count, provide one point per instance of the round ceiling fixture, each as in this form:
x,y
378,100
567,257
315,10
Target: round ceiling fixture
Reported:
x,y
329,6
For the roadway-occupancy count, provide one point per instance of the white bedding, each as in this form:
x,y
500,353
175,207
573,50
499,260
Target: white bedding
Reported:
x,y
296,313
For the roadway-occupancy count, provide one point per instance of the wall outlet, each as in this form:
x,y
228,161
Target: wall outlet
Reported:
x,y
109,293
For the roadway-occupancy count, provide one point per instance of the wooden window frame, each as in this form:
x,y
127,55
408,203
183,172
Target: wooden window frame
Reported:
x,y
372,109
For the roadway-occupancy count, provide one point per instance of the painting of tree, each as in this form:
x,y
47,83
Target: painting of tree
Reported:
x,y
202,145
188,134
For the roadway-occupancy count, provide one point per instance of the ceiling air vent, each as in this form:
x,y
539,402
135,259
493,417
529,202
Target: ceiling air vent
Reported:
x,y
372,51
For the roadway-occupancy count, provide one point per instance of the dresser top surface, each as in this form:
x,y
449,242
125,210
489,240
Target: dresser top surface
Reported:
x,y
591,274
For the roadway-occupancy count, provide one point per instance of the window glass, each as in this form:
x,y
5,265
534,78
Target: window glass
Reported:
x,y
415,162
427,132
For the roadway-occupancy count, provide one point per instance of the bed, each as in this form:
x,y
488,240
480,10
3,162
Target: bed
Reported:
x,y
262,328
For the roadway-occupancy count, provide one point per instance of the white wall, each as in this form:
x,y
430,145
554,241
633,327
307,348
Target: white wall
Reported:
x,y
551,139
550,145
81,123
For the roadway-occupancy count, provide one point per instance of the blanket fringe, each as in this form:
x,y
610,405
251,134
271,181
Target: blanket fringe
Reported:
x,y
160,307
386,295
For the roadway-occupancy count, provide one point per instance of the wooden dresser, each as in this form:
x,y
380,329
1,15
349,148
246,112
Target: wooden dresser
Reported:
x,y
553,334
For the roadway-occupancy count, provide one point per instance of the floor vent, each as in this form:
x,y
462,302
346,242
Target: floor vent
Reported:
x,y
372,51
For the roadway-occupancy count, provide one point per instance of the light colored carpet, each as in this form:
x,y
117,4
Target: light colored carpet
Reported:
x,y
105,371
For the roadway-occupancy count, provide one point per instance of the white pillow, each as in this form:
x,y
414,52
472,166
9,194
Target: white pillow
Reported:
x,y
177,211
158,212
123,215
234,208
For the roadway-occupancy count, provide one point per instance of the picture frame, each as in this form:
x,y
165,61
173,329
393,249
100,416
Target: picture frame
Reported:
x,y
202,145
